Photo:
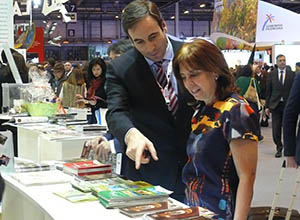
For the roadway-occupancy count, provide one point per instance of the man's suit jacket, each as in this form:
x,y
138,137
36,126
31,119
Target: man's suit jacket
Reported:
x,y
275,90
290,118
135,100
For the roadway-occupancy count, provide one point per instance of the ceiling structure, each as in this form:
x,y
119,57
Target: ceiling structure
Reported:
x,y
111,9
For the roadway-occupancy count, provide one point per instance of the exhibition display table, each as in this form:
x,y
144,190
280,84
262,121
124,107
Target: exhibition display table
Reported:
x,y
39,203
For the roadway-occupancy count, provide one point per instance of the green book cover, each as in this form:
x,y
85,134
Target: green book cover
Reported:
x,y
132,194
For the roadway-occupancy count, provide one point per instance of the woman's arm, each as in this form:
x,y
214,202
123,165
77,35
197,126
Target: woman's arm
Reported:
x,y
244,154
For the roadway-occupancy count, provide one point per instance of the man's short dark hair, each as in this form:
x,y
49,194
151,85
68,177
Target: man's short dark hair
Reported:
x,y
120,47
59,66
137,10
278,56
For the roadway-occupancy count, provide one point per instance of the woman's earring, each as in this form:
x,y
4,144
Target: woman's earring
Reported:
x,y
216,77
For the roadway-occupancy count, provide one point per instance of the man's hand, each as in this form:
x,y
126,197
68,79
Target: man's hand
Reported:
x,y
139,147
267,111
291,162
101,148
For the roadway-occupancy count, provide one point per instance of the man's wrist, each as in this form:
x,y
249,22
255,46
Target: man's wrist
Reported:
x,y
128,134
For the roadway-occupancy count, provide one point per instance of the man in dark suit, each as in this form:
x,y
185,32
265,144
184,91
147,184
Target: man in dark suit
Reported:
x,y
139,112
290,118
279,84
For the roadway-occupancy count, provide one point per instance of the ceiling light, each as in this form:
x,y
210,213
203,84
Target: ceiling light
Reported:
x,y
116,16
202,5
172,17
37,2
186,12
58,16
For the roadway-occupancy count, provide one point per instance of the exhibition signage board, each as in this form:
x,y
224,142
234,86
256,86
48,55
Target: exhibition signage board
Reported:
x,y
276,24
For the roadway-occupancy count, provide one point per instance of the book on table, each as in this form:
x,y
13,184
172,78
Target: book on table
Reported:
x,y
24,165
89,167
181,213
95,184
140,210
132,196
74,195
41,178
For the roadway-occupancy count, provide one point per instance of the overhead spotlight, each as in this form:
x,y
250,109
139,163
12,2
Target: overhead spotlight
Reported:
x,y
36,3
50,32
45,22
54,23
202,5
172,17
109,41
58,16
116,16
186,12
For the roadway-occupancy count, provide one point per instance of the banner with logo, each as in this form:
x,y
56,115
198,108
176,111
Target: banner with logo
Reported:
x,y
234,24
276,24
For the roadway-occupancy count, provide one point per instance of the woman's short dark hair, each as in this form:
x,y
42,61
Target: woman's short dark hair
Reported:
x,y
137,10
203,55
94,62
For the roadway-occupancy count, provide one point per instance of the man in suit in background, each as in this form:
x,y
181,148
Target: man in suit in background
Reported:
x,y
290,118
279,84
141,113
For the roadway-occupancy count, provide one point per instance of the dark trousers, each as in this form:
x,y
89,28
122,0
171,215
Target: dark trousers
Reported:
x,y
277,115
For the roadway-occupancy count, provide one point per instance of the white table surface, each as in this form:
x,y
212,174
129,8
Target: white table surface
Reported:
x,y
39,202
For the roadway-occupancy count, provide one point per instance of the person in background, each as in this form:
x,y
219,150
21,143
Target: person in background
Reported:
x,y
116,49
247,72
147,111
68,68
279,84
6,75
74,85
222,147
290,118
59,78
261,75
49,67
95,79
107,143
297,66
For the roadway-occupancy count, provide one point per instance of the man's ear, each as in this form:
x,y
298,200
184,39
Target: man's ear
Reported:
x,y
164,27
